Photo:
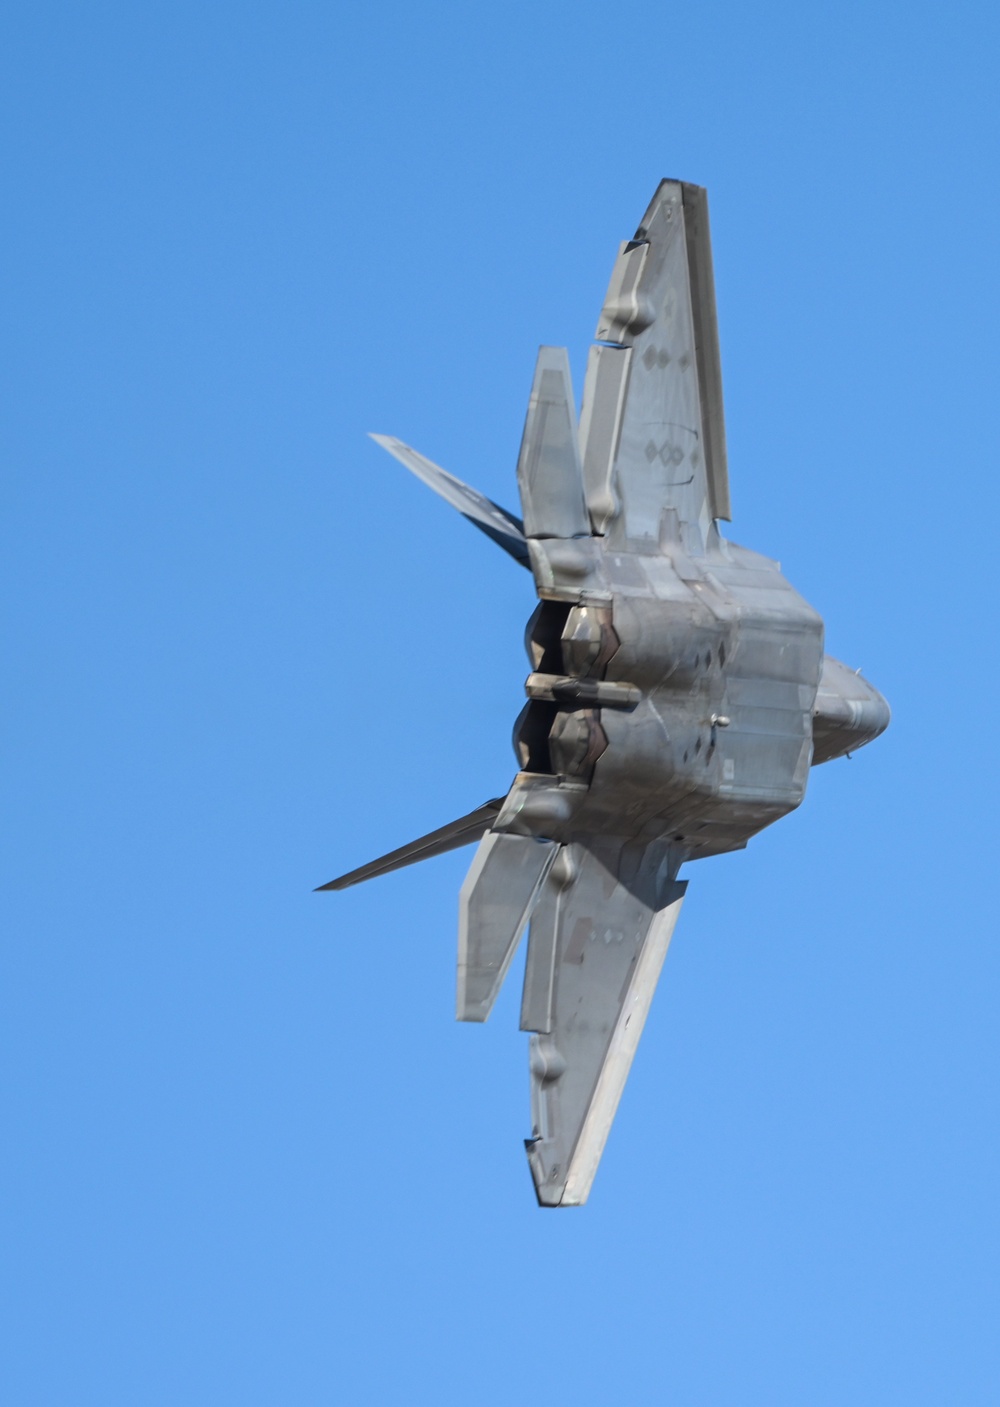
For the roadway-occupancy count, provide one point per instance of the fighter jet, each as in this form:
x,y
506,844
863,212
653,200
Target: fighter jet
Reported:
x,y
678,692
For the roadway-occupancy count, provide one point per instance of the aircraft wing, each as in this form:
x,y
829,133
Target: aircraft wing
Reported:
x,y
599,933
652,431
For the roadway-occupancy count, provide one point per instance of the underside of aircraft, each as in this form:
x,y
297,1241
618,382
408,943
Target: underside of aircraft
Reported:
x,y
678,694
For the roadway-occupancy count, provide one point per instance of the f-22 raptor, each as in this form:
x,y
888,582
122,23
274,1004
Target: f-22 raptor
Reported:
x,y
678,693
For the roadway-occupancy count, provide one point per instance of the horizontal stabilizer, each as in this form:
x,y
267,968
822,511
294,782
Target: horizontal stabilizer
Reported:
x,y
464,831
505,530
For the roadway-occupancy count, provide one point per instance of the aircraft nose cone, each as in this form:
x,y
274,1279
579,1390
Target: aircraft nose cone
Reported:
x,y
875,713
864,712
849,712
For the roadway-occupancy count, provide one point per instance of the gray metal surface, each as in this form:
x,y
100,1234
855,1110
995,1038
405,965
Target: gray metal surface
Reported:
x,y
848,712
678,691
498,895
465,831
665,461
549,475
598,944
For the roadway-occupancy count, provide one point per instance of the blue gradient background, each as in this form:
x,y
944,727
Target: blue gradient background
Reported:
x,y
248,1156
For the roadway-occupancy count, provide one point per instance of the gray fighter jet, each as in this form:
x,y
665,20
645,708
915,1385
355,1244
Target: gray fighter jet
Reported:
x,y
677,698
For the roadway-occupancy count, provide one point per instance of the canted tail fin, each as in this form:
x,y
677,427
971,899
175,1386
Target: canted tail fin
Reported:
x,y
497,898
549,472
504,528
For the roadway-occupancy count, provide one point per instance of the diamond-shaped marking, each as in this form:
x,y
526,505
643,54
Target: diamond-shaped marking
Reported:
x,y
655,356
668,453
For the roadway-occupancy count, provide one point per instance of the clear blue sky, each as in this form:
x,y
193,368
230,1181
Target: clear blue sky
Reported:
x,y
248,1155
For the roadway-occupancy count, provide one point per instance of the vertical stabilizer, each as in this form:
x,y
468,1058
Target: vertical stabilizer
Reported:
x,y
549,474
496,902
